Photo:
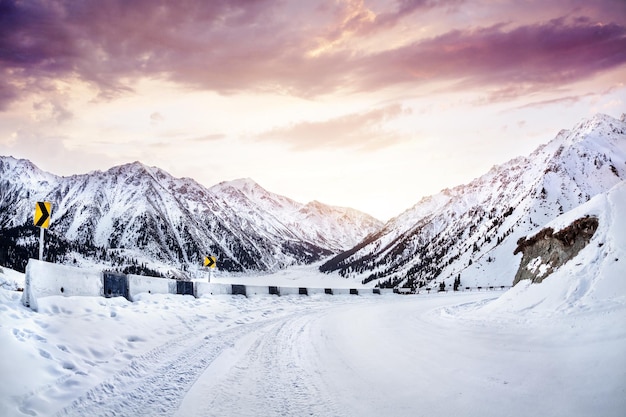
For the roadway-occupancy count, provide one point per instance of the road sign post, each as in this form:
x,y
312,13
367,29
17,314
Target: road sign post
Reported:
x,y
42,220
210,262
41,229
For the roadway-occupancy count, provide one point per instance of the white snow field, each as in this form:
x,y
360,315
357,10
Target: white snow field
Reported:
x,y
323,355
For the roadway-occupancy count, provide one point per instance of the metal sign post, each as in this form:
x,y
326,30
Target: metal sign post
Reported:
x,y
41,229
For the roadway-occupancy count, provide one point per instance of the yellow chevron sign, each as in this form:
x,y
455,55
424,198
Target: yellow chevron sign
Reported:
x,y
42,214
210,261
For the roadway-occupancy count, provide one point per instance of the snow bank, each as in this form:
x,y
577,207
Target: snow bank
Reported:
x,y
10,279
326,356
595,278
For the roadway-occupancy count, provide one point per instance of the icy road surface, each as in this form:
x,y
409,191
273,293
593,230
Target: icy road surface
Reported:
x,y
424,355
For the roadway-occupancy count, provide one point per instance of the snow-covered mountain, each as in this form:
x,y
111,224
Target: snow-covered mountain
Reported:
x,y
593,279
176,221
471,231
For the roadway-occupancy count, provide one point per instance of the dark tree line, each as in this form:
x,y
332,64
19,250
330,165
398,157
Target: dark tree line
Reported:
x,y
19,244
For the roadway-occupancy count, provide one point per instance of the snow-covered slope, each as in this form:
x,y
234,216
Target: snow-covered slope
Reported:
x,y
471,230
178,221
593,280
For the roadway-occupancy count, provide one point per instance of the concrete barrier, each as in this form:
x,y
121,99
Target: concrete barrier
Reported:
x,y
115,284
203,289
289,290
185,288
138,284
238,289
316,291
44,279
256,290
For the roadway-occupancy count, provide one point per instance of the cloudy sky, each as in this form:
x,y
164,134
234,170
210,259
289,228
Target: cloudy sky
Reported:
x,y
367,104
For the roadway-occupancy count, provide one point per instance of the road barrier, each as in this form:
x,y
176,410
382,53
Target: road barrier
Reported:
x,y
184,288
114,284
289,291
45,279
139,284
209,288
238,290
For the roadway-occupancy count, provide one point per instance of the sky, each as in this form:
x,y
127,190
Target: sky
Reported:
x,y
364,104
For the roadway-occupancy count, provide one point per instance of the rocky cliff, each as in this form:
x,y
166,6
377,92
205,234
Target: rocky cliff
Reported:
x,y
546,251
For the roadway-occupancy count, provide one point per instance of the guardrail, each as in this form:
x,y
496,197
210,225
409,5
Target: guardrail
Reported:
x,y
46,279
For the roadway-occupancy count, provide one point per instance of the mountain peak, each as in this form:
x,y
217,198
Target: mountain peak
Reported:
x,y
243,184
472,228
599,125
22,169
134,211
128,168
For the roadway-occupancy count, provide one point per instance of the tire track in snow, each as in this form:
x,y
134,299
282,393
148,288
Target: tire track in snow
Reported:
x,y
155,383
275,374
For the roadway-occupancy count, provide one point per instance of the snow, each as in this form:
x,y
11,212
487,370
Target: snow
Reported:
x,y
11,280
171,223
437,354
595,279
481,221
305,276
554,348
537,265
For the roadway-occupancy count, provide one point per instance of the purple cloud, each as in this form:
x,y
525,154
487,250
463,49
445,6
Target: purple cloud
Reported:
x,y
236,46
543,54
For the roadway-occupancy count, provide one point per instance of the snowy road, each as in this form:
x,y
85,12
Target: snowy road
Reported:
x,y
321,356
410,356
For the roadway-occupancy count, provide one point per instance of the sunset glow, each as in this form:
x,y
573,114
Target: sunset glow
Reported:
x,y
366,104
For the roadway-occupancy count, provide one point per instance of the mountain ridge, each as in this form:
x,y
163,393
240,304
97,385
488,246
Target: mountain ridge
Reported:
x,y
177,221
171,223
469,229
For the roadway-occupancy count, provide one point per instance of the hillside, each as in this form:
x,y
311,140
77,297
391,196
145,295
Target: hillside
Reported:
x,y
594,278
471,231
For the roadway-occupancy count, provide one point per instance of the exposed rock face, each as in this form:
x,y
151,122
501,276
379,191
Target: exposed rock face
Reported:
x,y
547,251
